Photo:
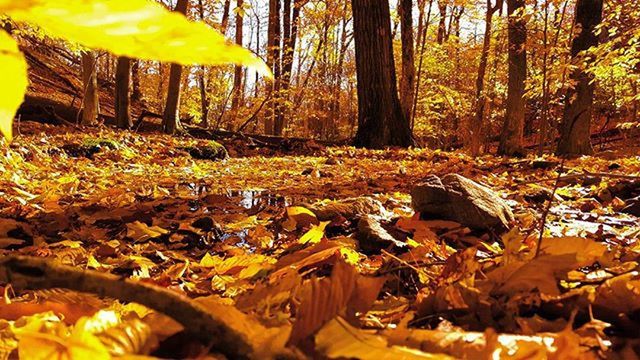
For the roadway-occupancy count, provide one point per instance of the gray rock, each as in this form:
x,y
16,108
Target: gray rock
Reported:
x,y
373,237
457,198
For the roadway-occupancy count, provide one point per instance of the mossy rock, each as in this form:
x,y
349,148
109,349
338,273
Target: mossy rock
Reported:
x,y
90,147
212,150
103,143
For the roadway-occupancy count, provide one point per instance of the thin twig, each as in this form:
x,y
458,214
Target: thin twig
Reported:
x,y
545,214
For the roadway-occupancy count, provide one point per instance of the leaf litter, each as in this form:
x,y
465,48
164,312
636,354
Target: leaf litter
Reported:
x,y
272,242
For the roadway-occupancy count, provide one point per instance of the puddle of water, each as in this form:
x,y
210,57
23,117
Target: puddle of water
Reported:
x,y
249,199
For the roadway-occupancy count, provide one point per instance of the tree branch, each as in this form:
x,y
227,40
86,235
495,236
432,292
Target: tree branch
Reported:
x,y
33,273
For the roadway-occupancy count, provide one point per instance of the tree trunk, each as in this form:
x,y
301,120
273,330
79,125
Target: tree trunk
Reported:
x,y
512,137
291,20
224,23
90,102
442,25
136,92
274,61
202,72
238,73
171,118
381,122
423,27
122,98
477,131
407,83
575,130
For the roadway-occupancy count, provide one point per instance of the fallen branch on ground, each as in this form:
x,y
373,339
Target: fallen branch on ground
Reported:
x,y
34,273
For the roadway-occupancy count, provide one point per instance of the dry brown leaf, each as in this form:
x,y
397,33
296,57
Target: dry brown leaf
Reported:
x,y
338,339
323,299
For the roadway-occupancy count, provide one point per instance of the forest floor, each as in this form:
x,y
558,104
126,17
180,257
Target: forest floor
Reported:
x,y
239,234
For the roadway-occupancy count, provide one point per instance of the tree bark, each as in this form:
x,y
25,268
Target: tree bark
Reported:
x,y
238,73
274,58
380,118
122,97
477,130
442,24
291,20
423,27
407,82
171,118
90,102
575,130
512,137
136,92
224,23
202,79
38,274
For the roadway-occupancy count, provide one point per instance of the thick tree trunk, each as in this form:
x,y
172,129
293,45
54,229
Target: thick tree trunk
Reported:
x,y
171,118
90,102
575,130
512,137
407,83
380,119
122,97
238,74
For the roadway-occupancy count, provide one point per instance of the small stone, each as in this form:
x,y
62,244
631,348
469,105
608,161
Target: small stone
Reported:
x,y
373,237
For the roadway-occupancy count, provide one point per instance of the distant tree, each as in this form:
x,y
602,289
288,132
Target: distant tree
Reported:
x,y
238,74
90,101
512,137
575,130
381,121
442,24
274,54
136,92
477,127
122,95
171,118
408,80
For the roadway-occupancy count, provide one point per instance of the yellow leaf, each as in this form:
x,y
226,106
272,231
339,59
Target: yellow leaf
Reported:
x,y
315,234
13,71
135,28
338,339
140,231
208,261
37,341
303,217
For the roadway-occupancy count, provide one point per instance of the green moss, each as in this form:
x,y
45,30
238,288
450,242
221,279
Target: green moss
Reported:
x,y
103,143
212,150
